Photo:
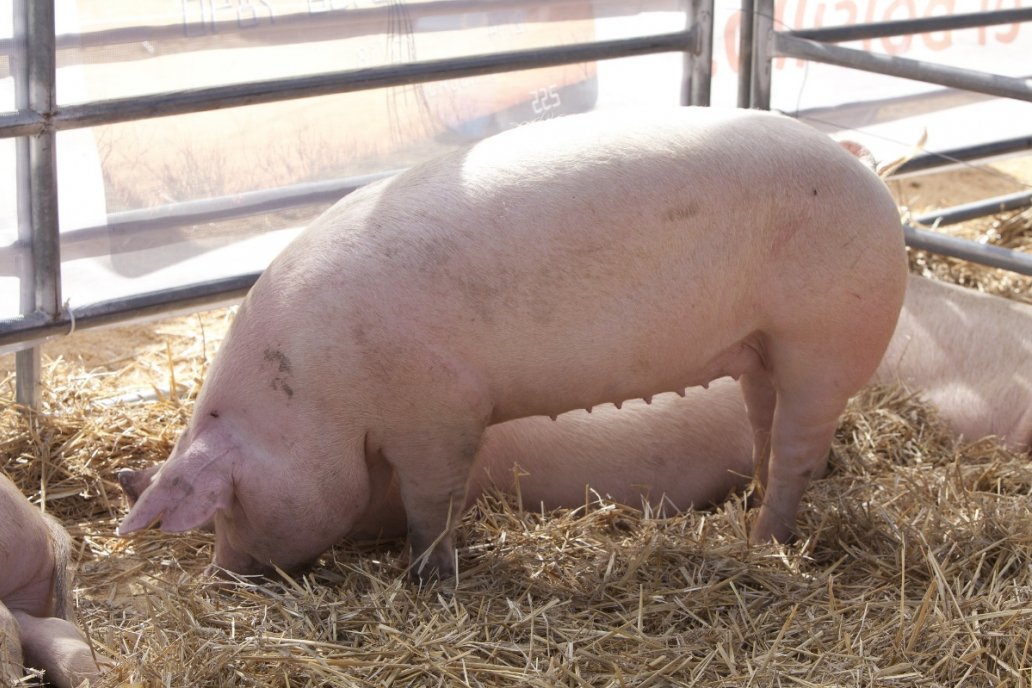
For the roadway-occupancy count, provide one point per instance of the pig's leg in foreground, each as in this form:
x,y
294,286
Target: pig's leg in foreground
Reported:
x,y
800,437
433,466
806,412
11,661
57,647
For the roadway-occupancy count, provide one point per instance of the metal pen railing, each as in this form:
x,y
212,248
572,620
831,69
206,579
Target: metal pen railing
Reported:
x,y
38,119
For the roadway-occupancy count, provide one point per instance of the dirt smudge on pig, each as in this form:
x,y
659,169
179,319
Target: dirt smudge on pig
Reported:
x,y
682,213
280,382
277,356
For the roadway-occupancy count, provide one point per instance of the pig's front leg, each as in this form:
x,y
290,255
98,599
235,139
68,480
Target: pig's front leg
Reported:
x,y
11,663
57,647
433,470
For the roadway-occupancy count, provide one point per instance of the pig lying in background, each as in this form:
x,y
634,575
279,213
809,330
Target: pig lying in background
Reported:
x,y
556,266
968,354
35,614
684,452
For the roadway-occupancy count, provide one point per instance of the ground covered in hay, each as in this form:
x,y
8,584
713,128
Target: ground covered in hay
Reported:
x,y
914,569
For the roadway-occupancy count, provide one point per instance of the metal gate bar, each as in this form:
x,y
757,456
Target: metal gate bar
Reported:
x,y
985,254
273,90
347,22
969,211
947,22
185,299
37,179
803,44
787,45
956,156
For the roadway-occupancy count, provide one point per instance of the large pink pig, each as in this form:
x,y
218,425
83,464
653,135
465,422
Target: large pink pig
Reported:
x,y
962,350
35,610
954,345
683,452
561,265
970,355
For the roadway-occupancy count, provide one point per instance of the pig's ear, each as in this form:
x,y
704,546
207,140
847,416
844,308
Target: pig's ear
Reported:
x,y
184,494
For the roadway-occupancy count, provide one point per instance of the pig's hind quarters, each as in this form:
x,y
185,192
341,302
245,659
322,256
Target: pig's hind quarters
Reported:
x,y
60,591
56,646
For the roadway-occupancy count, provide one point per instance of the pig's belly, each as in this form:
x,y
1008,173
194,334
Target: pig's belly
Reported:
x,y
567,385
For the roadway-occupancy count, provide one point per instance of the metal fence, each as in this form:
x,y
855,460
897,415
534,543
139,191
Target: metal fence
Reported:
x,y
761,43
32,55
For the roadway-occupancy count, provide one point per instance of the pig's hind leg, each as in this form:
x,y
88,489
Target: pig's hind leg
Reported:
x,y
433,468
56,646
10,648
812,391
800,439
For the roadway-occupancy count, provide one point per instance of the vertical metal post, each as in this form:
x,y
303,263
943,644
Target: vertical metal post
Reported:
x,y
698,63
745,53
37,181
763,54
27,361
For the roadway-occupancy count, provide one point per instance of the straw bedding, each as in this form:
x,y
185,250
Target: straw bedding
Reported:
x,y
914,567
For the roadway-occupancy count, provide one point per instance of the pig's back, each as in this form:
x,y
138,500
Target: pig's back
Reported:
x,y
604,191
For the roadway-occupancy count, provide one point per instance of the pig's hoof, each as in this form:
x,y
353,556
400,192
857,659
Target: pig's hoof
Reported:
x,y
426,572
428,576
778,535
215,571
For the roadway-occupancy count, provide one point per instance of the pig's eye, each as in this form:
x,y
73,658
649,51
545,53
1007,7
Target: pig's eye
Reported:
x,y
214,414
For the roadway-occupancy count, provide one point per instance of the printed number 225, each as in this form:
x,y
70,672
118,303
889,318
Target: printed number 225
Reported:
x,y
545,99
